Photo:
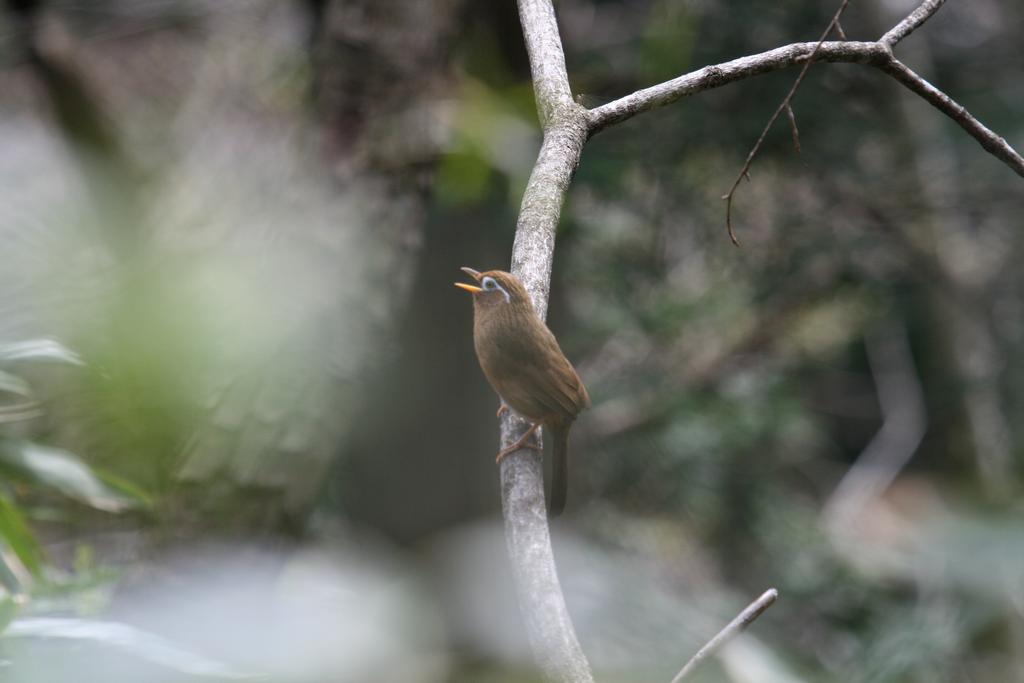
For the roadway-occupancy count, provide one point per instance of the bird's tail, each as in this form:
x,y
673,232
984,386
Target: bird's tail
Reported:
x,y
559,472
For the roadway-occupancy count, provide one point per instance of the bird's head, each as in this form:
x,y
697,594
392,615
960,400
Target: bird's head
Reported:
x,y
495,288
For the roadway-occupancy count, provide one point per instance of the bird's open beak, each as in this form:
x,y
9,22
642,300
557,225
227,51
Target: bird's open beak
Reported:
x,y
472,289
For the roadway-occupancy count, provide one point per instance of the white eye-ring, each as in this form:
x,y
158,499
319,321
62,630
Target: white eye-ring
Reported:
x,y
490,285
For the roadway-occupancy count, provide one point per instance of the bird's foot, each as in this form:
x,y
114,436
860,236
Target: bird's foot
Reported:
x,y
501,410
522,442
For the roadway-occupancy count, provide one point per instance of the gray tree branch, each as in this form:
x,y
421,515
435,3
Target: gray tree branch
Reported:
x,y
547,59
911,22
548,625
992,143
731,630
718,75
877,54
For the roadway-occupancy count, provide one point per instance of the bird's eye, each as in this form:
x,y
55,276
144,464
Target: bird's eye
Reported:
x,y
489,283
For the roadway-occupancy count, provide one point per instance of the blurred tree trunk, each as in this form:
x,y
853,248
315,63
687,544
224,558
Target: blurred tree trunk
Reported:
x,y
379,93
381,84
268,429
412,481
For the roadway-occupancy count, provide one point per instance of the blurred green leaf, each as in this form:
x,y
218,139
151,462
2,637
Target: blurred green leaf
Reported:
x,y
122,485
64,472
8,610
13,384
15,531
8,579
38,350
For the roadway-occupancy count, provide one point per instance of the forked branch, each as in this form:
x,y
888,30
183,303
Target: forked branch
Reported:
x,y
877,54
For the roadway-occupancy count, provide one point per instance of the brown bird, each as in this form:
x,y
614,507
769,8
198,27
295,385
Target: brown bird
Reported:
x,y
523,362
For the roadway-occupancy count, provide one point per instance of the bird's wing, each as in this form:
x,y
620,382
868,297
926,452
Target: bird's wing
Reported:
x,y
554,383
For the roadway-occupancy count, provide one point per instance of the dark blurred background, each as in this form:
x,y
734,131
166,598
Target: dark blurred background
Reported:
x,y
243,431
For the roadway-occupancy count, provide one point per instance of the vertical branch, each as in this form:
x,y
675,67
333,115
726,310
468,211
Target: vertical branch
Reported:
x,y
533,250
547,59
549,627
548,624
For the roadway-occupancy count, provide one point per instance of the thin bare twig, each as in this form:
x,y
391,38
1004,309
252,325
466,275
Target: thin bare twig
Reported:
x,y
782,107
733,629
792,128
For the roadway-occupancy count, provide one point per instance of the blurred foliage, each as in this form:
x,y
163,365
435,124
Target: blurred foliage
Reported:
x,y
245,218
29,471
